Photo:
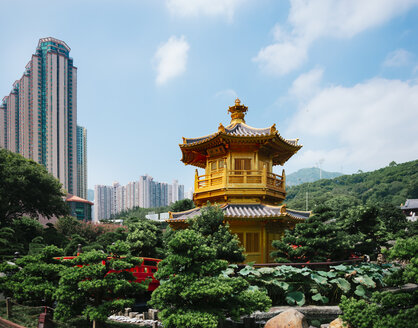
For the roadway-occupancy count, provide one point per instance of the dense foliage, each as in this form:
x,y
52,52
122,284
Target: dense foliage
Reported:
x,y
26,188
389,310
182,205
316,239
327,235
193,290
145,238
383,310
390,185
33,279
300,286
87,287
210,224
405,250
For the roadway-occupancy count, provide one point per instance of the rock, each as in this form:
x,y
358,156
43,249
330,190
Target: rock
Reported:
x,y
132,314
153,314
338,323
288,319
127,310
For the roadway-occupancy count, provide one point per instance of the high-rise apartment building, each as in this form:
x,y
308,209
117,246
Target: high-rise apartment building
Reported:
x,y
82,162
103,202
38,119
145,193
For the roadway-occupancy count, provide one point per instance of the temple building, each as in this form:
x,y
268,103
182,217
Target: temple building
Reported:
x,y
238,161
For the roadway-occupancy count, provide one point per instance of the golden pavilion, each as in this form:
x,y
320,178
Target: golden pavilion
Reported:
x,y
238,161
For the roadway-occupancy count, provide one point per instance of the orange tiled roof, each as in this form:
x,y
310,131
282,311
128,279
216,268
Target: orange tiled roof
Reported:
x,y
73,198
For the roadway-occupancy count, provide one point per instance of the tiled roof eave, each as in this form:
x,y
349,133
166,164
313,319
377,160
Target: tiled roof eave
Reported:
x,y
275,138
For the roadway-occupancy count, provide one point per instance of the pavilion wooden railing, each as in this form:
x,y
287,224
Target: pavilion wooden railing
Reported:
x,y
239,178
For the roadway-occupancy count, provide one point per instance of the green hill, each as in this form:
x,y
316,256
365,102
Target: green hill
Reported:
x,y
391,185
309,175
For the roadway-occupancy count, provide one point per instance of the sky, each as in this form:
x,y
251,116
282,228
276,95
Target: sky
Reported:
x,y
340,75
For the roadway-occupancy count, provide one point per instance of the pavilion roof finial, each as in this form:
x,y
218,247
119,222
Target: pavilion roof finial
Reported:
x,y
237,112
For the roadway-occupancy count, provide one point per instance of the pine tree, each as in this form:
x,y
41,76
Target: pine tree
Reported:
x,y
193,292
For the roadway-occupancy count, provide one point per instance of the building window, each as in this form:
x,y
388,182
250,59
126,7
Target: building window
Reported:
x,y
242,164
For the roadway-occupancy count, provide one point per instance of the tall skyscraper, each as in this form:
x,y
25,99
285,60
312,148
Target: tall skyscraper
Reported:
x,y
103,202
38,119
82,162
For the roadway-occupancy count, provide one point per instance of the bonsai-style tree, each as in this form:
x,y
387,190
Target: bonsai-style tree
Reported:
x,y
212,226
97,286
194,292
317,239
26,188
182,205
33,279
144,238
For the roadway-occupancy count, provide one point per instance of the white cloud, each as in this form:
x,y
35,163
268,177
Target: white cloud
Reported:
x,y
361,127
227,93
398,58
311,20
171,59
193,8
307,84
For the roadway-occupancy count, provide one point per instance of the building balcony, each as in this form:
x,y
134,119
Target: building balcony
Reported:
x,y
242,185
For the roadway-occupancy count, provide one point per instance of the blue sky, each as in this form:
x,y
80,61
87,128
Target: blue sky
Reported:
x,y
341,75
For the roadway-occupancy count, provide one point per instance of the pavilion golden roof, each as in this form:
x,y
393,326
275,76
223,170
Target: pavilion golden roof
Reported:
x,y
194,150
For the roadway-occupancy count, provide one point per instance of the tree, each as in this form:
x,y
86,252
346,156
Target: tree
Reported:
x,y
110,237
26,188
18,235
406,250
193,292
34,278
393,219
68,225
96,286
182,205
210,223
144,238
364,226
316,239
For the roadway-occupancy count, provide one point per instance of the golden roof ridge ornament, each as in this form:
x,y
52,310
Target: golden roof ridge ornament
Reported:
x,y
237,112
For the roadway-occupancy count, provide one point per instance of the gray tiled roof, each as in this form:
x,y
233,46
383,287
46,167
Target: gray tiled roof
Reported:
x,y
239,129
245,211
190,141
186,214
298,214
410,204
242,129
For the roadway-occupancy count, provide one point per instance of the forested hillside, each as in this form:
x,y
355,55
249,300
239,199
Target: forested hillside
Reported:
x,y
309,175
391,185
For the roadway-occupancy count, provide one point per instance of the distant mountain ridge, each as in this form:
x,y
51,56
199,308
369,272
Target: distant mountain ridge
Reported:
x,y
392,184
309,175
